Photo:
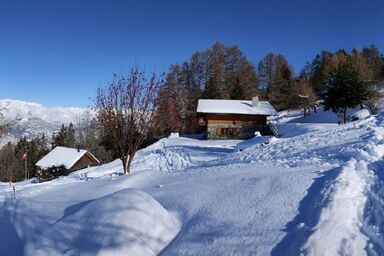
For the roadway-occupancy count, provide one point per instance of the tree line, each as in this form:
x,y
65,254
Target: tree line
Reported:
x,y
18,160
223,72
340,80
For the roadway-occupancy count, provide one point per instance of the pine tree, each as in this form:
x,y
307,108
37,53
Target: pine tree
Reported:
x,y
70,139
276,77
345,89
11,168
66,137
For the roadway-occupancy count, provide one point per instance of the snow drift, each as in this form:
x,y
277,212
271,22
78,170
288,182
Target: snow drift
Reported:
x,y
127,222
317,190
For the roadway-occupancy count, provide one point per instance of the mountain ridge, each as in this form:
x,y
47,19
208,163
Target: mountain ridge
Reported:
x,y
34,119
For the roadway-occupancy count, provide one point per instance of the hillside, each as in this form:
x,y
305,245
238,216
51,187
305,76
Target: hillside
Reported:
x,y
316,191
33,119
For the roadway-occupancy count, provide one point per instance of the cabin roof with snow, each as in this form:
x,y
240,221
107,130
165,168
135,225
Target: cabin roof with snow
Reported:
x,y
235,107
68,157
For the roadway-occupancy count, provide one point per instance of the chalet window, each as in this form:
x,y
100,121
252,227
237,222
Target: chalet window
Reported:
x,y
227,132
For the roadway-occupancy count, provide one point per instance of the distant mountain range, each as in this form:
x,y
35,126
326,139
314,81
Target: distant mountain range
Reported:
x,y
33,119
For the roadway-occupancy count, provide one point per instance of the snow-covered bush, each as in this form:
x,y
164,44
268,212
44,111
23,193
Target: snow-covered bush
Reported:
x,y
51,173
174,135
360,114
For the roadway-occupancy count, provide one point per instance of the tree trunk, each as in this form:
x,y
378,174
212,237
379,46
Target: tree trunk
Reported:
x,y
130,159
125,161
345,115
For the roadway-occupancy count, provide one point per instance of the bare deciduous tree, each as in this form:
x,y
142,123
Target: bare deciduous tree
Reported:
x,y
304,97
88,136
127,111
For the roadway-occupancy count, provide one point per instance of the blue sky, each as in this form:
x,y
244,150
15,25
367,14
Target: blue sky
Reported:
x,y
58,52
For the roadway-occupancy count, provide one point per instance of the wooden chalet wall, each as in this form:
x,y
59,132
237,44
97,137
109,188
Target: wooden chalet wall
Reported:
x,y
233,126
83,162
236,119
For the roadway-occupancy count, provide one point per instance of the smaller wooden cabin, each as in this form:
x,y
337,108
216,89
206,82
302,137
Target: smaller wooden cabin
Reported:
x,y
234,119
71,158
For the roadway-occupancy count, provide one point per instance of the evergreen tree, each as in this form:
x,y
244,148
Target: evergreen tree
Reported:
x,y
276,77
368,61
70,139
320,67
345,89
16,158
11,168
59,138
66,137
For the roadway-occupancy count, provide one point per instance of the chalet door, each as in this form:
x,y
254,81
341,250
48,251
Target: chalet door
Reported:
x,y
218,131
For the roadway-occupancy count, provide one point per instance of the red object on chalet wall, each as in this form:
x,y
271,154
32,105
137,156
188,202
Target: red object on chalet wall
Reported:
x,y
201,121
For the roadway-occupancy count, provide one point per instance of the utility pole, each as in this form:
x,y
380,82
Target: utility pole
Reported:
x,y
26,173
26,165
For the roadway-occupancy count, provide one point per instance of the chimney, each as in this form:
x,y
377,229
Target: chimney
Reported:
x,y
255,101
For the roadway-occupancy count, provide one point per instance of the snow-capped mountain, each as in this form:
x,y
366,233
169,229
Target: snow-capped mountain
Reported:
x,y
33,119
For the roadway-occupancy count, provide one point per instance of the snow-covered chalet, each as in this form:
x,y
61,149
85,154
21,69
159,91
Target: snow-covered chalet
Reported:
x,y
234,119
71,158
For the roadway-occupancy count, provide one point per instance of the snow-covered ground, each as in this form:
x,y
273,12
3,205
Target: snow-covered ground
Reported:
x,y
317,190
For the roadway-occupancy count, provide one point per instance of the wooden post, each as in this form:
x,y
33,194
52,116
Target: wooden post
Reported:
x,y
14,192
25,168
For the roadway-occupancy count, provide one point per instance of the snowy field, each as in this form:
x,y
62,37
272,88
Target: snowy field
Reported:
x,y
317,190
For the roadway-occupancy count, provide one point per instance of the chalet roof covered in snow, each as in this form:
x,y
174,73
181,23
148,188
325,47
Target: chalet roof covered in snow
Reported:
x,y
235,107
63,156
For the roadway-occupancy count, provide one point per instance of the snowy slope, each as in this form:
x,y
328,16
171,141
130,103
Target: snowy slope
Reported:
x,y
316,191
33,119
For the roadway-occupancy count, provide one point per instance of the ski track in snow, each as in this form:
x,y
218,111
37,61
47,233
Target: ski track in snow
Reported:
x,y
350,218
345,226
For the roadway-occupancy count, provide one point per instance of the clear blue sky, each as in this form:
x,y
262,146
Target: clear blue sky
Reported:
x,y
58,52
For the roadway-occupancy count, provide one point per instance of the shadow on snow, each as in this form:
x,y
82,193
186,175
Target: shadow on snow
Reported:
x,y
10,242
309,213
373,214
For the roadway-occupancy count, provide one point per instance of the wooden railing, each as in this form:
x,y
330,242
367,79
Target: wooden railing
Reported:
x,y
273,129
